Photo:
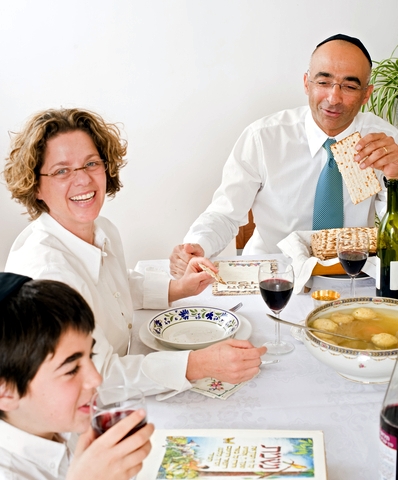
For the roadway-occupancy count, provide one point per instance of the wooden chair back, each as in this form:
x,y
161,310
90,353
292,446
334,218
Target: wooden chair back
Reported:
x,y
245,232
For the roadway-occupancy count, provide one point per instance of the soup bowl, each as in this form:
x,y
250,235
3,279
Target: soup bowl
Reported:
x,y
363,366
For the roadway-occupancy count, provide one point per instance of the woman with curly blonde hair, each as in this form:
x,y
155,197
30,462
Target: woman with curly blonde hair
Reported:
x,y
61,166
24,164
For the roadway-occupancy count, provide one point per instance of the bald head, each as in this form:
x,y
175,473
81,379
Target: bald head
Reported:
x,y
352,40
342,55
334,64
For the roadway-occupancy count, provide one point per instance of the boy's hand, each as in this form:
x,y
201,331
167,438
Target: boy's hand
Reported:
x,y
109,457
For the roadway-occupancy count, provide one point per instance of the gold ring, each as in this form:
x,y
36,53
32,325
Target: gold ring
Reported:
x,y
386,150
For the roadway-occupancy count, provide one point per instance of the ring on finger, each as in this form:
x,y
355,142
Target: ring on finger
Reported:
x,y
385,149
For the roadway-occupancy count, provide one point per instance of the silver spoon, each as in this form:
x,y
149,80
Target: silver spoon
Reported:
x,y
303,327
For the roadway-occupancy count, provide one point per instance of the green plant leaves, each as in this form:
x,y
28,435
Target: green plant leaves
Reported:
x,y
384,98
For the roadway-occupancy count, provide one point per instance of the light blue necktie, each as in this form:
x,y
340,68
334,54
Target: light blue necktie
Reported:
x,y
328,202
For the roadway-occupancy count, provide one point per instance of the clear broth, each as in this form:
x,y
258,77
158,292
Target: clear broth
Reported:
x,y
385,321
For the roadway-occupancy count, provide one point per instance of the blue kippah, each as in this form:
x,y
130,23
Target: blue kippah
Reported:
x,y
346,38
10,283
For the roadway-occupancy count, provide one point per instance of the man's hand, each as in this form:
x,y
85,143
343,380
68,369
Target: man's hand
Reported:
x,y
231,361
376,150
181,255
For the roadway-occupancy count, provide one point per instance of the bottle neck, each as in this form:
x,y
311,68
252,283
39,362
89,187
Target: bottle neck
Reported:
x,y
392,195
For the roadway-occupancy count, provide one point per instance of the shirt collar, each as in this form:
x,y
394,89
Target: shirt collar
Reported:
x,y
316,136
90,256
47,454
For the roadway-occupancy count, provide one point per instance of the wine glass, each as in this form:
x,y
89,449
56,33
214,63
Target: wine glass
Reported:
x,y
109,405
276,288
352,250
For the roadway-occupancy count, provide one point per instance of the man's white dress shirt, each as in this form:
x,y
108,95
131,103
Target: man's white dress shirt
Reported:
x,y
24,456
274,169
46,250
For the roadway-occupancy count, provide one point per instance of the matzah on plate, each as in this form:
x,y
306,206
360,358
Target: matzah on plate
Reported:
x,y
361,184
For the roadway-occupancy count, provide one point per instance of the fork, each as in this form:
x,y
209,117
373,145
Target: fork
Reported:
x,y
236,307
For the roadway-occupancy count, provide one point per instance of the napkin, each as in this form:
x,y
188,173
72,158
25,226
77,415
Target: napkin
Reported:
x,y
241,277
210,387
297,247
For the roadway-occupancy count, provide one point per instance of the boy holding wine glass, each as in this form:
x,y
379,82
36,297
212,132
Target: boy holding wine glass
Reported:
x,y
47,379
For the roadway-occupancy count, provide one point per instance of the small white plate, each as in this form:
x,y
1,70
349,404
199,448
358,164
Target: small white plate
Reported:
x,y
243,333
345,278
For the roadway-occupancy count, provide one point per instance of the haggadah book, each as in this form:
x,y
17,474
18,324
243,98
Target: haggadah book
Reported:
x,y
238,454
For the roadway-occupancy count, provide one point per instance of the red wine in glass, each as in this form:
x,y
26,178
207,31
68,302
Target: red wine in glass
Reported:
x,y
352,249
110,404
105,420
276,293
352,261
276,283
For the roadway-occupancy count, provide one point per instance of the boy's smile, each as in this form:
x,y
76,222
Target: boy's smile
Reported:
x,y
58,397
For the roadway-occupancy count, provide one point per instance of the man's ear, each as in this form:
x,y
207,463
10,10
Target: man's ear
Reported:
x,y
306,83
9,397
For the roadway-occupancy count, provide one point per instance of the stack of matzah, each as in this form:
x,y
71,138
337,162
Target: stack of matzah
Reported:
x,y
323,242
361,184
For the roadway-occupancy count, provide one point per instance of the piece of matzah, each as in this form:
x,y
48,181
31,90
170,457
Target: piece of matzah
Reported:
x,y
215,275
324,242
361,184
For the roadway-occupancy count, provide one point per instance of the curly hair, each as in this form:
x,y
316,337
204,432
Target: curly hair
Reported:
x,y
24,163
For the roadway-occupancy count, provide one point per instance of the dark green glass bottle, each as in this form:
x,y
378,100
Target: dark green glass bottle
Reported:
x,y
387,245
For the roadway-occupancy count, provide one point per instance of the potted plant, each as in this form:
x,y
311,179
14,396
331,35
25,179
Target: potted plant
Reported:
x,y
384,98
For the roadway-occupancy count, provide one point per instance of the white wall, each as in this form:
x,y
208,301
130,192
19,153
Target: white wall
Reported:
x,y
184,78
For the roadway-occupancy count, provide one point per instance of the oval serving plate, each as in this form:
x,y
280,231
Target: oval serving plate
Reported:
x,y
191,328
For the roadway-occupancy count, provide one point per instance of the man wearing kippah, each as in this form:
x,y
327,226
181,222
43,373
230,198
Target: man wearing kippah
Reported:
x,y
275,166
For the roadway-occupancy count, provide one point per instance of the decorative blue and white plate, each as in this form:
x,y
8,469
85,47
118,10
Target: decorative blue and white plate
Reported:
x,y
191,328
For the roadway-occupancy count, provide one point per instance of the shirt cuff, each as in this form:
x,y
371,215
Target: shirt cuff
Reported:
x,y
156,289
203,242
167,369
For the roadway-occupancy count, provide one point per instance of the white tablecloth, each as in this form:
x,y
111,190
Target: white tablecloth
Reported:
x,y
297,393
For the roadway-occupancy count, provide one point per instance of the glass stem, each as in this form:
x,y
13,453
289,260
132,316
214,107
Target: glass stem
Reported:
x,y
352,287
277,331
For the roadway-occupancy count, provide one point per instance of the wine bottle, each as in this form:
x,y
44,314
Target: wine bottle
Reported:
x,y
389,431
387,245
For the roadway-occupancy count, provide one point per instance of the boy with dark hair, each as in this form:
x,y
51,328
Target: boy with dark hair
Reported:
x,y
47,379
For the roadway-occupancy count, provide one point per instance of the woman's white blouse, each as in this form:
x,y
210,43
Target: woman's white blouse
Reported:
x,y
46,250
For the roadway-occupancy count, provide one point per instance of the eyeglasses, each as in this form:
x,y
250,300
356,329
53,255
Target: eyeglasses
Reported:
x,y
349,89
93,167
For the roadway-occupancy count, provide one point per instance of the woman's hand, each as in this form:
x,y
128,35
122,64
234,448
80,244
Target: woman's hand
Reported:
x,y
231,361
109,457
193,281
